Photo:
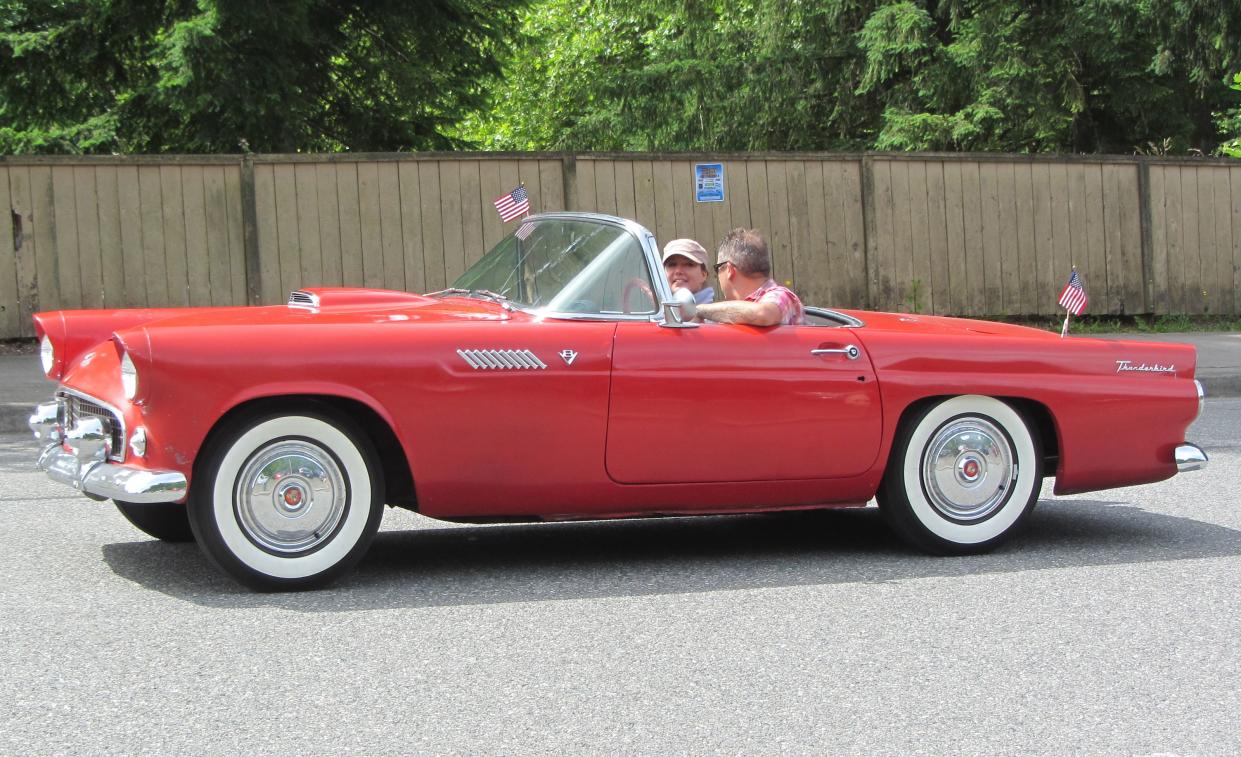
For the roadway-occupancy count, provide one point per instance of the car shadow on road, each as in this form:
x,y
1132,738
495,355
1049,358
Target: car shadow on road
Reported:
x,y
545,562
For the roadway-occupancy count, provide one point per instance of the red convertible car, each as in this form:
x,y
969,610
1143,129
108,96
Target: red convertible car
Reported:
x,y
545,384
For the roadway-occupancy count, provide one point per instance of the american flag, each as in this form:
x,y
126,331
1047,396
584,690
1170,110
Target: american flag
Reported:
x,y
524,230
1073,298
513,204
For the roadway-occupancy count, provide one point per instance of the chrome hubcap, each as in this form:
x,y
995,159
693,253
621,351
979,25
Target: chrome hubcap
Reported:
x,y
290,496
968,469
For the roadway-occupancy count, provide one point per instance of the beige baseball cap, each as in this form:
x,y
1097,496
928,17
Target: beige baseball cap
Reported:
x,y
686,248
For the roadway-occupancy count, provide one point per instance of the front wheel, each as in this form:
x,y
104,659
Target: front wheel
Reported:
x,y
963,477
165,521
287,502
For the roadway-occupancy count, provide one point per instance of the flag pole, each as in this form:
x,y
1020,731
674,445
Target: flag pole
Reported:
x,y
1064,330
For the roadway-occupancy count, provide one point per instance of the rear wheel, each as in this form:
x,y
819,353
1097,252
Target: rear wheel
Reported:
x,y
166,522
963,477
289,501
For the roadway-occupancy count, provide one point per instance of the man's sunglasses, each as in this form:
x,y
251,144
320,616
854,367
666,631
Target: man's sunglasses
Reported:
x,y
720,265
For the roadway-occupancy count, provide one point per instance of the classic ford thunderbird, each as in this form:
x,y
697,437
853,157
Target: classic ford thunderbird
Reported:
x,y
559,378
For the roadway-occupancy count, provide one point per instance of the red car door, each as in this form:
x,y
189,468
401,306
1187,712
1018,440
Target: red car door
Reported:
x,y
739,403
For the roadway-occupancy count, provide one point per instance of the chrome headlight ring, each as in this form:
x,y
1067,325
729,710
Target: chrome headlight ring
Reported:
x,y
129,377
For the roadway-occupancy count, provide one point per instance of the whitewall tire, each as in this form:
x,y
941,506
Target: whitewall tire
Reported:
x,y
286,502
963,476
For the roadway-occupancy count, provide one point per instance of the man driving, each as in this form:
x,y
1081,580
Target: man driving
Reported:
x,y
751,296
685,265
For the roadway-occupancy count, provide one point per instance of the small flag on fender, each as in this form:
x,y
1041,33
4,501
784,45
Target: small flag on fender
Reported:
x,y
513,204
1073,298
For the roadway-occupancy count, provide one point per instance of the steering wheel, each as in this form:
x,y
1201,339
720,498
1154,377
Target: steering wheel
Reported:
x,y
636,284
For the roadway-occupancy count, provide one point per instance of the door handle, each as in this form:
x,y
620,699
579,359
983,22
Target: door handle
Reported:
x,y
850,351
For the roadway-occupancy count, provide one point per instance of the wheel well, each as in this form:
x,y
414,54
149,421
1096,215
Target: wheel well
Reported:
x,y
1036,413
398,481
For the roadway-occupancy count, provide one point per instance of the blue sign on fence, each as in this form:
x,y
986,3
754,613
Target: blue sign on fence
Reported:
x,y
709,182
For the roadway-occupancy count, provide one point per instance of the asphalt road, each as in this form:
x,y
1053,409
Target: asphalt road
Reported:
x,y
1111,626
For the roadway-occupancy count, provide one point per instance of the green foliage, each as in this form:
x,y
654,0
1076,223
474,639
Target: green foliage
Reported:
x,y
1094,75
88,76
1231,124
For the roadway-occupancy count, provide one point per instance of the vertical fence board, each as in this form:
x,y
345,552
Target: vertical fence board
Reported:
x,y
937,242
86,222
10,301
1095,253
813,265
919,295
644,197
215,220
605,186
1016,262
510,177
450,216
682,201
1220,278
954,233
65,237
392,249
880,256
349,200
369,221
26,263
490,189
235,214
551,184
1079,242
287,237
268,239
1159,238
1207,248
1006,186
1234,183
309,236
327,205
173,209
799,222
778,238
111,248
432,223
152,217
847,178
413,260
975,249
1176,240
735,179
626,205
664,189
472,213
1044,280
1134,292
197,260
133,262
1191,251
586,200
993,233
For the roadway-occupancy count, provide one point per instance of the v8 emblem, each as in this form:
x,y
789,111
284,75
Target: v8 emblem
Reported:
x,y
568,356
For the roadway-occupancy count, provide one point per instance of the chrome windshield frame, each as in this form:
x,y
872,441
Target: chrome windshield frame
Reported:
x,y
650,253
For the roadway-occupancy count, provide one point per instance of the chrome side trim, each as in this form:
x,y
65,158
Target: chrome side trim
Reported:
x,y
835,315
1201,398
1190,457
501,360
302,299
107,481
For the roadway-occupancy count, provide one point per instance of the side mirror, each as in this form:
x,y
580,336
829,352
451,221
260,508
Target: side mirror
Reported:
x,y
679,311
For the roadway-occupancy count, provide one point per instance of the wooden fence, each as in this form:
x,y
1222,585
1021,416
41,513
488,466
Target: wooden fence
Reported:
x,y
932,233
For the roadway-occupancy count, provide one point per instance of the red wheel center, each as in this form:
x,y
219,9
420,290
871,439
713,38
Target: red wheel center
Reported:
x,y
293,497
970,469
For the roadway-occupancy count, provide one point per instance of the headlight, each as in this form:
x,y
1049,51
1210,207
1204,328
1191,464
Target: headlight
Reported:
x,y
47,355
129,377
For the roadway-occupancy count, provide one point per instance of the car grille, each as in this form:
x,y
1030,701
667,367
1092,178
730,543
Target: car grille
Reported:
x,y
77,406
300,299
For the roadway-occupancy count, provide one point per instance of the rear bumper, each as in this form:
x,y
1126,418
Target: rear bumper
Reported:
x,y
1190,457
110,481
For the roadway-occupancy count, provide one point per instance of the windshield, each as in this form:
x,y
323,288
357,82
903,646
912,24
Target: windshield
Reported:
x,y
566,266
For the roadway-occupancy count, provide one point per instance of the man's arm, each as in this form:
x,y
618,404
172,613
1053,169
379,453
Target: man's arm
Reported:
x,y
740,311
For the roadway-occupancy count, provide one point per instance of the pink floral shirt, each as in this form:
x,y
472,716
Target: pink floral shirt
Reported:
x,y
791,312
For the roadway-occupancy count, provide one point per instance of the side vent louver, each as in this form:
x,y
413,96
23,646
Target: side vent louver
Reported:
x,y
501,360
300,299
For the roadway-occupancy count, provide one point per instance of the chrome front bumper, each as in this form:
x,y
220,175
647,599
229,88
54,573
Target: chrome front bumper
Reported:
x,y
78,457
